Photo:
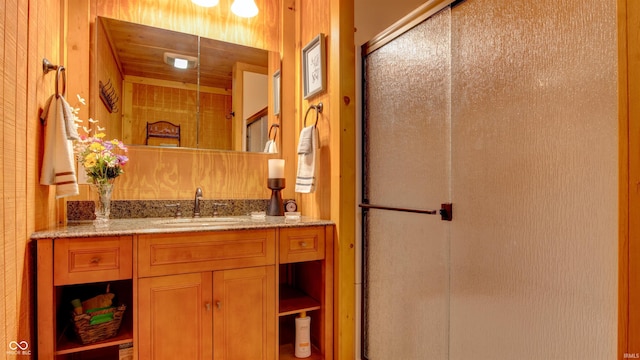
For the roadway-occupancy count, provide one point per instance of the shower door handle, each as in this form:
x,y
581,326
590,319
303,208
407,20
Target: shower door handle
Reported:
x,y
446,210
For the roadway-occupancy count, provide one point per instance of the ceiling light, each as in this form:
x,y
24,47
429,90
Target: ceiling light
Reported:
x,y
180,61
205,3
244,8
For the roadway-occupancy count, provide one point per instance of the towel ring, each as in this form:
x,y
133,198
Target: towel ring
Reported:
x,y
60,70
318,109
276,126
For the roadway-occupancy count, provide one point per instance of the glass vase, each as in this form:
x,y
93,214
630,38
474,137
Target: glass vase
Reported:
x,y
103,203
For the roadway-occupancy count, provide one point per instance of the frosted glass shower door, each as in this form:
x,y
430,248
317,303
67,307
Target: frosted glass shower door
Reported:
x,y
407,165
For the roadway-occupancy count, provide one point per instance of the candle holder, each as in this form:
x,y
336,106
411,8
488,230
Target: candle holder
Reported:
x,y
276,207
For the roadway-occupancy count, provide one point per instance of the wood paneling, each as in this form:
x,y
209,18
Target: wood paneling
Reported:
x,y
334,197
30,32
151,103
149,175
216,23
343,172
171,173
629,213
108,72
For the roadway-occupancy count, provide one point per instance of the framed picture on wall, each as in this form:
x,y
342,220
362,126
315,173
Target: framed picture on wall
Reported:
x,y
276,93
314,67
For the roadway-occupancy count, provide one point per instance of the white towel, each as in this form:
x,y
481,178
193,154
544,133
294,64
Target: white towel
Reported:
x,y
306,177
58,165
271,147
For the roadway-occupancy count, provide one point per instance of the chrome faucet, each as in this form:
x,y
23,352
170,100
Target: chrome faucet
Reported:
x,y
196,203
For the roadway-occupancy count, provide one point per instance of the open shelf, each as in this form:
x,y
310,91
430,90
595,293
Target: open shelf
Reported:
x,y
67,342
288,353
294,301
66,346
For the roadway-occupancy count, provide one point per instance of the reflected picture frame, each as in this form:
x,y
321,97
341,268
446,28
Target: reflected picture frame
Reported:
x,y
276,93
314,77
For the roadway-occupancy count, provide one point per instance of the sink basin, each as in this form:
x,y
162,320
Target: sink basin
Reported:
x,y
203,221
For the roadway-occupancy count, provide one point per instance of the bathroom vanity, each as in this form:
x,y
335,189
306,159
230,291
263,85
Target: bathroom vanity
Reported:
x,y
218,288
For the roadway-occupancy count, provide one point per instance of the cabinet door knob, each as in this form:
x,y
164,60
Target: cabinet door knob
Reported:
x,y
208,306
218,305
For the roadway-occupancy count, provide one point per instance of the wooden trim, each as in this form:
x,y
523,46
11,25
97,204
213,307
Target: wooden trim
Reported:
x,y
629,218
414,18
257,116
175,84
342,112
238,128
45,309
623,210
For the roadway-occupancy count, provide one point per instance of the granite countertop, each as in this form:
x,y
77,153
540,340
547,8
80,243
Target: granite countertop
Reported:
x,y
118,227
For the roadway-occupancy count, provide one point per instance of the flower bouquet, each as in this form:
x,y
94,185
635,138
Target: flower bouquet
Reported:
x,y
102,161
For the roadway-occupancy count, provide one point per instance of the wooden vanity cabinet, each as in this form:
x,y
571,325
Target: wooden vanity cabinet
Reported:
x,y
174,317
67,266
305,274
225,313
221,295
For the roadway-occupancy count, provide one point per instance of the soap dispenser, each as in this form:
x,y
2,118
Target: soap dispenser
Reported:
x,y
303,336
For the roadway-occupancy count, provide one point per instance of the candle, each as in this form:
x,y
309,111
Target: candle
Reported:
x,y
276,168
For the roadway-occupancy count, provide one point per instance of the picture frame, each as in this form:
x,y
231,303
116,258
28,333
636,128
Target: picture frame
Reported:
x,y
276,93
314,77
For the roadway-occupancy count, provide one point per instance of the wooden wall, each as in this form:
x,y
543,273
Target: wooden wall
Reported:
x,y
629,214
150,103
31,30
108,72
172,173
334,197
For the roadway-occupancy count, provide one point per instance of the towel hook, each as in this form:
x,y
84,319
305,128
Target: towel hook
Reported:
x,y
318,109
276,126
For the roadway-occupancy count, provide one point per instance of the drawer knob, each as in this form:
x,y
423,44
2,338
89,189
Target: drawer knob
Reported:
x,y
95,260
303,244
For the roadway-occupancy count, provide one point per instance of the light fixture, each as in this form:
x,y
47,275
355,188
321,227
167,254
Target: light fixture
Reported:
x,y
205,3
244,8
180,61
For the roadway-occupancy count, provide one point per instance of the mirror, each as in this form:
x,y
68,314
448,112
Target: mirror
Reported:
x,y
164,88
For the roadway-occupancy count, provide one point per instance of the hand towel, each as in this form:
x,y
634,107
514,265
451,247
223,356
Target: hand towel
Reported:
x,y
58,165
271,147
306,176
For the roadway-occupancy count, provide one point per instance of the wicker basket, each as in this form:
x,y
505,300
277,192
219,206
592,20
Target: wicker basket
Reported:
x,y
88,333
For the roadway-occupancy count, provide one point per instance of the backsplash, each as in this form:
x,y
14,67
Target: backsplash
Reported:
x,y
127,209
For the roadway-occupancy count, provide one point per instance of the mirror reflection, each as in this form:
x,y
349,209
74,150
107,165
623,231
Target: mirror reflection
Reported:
x,y
165,88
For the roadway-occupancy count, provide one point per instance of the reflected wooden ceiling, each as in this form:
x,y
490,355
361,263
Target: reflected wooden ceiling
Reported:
x,y
139,51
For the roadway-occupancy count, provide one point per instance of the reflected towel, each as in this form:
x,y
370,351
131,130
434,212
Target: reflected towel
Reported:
x,y
271,147
306,177
58,165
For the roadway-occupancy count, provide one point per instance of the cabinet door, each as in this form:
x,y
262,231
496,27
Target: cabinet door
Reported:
x,y
175,317
244,314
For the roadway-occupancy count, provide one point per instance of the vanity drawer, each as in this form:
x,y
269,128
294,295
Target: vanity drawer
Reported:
x,y
301,244
180,253
92,260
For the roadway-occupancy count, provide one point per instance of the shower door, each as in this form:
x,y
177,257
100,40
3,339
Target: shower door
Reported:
x,y
406,164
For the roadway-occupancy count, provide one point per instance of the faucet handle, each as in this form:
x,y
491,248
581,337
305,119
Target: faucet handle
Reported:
x,y
177,206
215,207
